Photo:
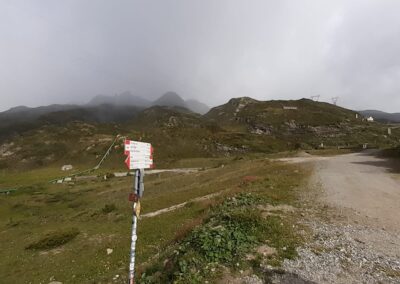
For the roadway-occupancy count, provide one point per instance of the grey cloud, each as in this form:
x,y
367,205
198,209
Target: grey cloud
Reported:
x,y
69,51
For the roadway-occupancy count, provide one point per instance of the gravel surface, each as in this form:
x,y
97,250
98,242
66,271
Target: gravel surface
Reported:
x,y
354,218
336,255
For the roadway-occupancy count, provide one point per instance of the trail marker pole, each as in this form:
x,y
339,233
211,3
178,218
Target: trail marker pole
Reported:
x,y
140,157
133,249
137,189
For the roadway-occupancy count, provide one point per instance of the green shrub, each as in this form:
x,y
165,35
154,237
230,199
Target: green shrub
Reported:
x,y
231,231
224,239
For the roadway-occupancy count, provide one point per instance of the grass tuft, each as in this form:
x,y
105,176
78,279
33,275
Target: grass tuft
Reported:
x,y
108,208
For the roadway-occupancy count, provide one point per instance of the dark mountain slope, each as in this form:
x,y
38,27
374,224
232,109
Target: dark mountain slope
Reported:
x,y
15,123
382,116
306,112
243,125
197,106
100,114
299,123
170,99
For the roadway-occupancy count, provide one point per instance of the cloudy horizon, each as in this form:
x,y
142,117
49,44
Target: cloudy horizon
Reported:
x,y
71,51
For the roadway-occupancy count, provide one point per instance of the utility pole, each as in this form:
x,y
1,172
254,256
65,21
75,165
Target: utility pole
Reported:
x,y
315,98
334,100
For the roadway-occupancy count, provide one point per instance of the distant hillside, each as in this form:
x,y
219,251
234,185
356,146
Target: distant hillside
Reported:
x,y
250,112
242,125
80,136
27,119
98,114
21,118
101,109
170,99
197,106
382,116
168,117
301,123
23,112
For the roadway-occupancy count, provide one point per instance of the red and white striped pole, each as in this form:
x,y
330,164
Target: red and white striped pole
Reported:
x,y
138,189
140,157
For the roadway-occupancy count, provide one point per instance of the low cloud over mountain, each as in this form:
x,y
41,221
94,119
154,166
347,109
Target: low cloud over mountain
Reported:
x,y
169,99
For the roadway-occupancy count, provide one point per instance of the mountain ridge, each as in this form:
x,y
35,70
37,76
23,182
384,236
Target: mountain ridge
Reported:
x,y
381,116
167,99
242,125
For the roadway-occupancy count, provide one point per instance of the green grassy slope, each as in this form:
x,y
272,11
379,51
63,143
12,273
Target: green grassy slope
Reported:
x,y
63,231
241,126
309,125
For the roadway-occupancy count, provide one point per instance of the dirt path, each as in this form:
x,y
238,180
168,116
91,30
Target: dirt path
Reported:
x,y
180,205
355,220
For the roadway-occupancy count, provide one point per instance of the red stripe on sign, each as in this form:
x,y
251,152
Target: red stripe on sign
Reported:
x,y
127,142
128,162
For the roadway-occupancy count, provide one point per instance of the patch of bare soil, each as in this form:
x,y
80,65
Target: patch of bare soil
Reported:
x,y
180,205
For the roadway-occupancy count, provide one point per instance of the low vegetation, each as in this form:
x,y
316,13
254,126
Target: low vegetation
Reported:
x,y
200,241
108,208
33,221
233,230
391,152
242,126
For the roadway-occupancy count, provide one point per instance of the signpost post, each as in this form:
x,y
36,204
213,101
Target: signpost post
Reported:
x,y
140,157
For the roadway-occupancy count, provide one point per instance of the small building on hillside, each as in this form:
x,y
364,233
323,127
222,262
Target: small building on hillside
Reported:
x,y
370,119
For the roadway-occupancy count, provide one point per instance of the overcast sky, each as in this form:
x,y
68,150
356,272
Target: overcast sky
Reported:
x,y
69,51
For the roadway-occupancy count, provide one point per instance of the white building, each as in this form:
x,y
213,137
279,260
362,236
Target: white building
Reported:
x,y
370,119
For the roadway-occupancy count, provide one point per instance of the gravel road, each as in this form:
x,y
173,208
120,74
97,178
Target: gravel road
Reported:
x,y
365,184
354,216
